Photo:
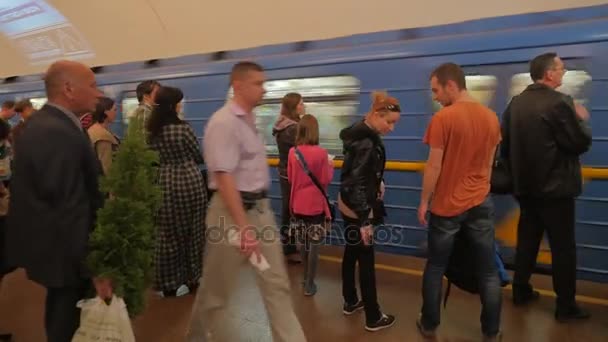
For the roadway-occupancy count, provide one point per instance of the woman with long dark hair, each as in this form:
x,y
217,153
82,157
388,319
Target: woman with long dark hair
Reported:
x,y
180,220
361,206
284,131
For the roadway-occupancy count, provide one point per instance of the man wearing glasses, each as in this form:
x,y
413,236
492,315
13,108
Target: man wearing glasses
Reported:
x,y
544,133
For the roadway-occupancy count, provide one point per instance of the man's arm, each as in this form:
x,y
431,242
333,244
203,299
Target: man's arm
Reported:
x,y
572,133
432,170
435,138
505,133
226,186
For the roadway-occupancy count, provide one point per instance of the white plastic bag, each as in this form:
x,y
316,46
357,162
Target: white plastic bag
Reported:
x,y
100,322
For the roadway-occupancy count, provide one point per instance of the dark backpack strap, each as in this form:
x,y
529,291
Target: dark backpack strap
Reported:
x,y
314,179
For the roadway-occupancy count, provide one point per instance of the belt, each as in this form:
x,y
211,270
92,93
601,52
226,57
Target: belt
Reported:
x,y
248,198
247,194
255,196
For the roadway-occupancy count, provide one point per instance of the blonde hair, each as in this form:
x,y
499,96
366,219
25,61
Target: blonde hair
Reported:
x,y
383,103
308,131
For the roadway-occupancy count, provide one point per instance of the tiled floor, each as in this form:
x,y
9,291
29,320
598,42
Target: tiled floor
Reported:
x,y
21,310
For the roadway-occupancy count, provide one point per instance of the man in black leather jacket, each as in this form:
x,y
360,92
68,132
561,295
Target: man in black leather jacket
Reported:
x,y
544,134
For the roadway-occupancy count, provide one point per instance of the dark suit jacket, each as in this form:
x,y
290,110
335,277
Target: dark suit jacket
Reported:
x,y
54,198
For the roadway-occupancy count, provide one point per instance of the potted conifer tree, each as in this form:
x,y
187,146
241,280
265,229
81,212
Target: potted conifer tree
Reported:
x,y
122,244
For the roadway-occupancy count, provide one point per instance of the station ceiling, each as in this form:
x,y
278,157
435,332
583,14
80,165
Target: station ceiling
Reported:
x,y
33,33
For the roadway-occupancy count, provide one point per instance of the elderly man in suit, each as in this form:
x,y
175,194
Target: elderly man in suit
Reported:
x,y
54,196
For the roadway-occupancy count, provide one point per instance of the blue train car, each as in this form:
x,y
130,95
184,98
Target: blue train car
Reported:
x,y
336,77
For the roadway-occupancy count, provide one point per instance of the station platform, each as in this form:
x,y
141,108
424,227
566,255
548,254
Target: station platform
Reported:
x,y
399,291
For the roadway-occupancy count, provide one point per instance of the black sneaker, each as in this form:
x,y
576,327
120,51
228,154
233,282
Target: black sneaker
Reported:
x,y
386,321
523,298
6,337
424,332
350,309
495,338
572,313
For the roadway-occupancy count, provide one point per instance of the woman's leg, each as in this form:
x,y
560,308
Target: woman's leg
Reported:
x,y
289,242
349,262
313,240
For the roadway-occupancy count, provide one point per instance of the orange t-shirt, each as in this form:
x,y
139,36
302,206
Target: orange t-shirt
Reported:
x,y
468,134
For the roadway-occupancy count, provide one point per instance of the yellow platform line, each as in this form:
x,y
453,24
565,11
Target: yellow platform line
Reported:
x,y
418,166
408,271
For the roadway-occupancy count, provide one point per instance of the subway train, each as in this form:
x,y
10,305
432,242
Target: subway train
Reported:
x,y
336,77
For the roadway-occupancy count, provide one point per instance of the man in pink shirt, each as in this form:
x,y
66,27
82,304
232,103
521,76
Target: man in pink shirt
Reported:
x,y
238,173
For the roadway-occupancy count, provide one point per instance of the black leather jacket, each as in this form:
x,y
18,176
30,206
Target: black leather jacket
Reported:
x,y
542,141
284,132
363,171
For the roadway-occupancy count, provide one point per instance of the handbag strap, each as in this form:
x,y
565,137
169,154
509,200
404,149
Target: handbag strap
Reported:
x,y
314,179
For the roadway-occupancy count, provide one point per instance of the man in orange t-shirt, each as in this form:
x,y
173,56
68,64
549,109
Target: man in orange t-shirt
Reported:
x,y
463,138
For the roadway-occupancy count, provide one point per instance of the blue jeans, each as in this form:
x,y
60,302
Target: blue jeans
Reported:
x,y
477,224
502,272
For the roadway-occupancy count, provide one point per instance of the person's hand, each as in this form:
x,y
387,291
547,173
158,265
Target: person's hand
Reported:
x,y
366,234
422,209
250,243
103,287
382,189
581,112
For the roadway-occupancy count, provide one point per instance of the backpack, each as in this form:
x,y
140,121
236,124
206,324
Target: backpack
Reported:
x,y
462,268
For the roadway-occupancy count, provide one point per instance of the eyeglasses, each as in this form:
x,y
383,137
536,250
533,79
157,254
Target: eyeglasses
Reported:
x,y
391,108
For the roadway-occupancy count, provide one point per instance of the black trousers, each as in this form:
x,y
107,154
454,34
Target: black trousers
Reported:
x,y
62,317
556,217
355,251
289,243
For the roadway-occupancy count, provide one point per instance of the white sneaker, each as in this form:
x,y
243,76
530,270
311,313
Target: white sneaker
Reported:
x,y
182,291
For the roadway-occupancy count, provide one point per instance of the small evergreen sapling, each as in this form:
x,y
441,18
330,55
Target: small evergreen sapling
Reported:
x,y
122,244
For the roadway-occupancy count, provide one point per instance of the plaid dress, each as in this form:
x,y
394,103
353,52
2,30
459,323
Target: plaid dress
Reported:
x,y
180,220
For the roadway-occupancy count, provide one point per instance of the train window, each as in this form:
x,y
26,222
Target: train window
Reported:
x,y
127,109
480,87
333,100
575,83
38,102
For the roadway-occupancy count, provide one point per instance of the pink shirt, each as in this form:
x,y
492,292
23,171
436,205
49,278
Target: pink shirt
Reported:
x,y
306,199
231,143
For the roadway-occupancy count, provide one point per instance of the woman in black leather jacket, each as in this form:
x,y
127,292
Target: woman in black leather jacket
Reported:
x,y
360,203
284,131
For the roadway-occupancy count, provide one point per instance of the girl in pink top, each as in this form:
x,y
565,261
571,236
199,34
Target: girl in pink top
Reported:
x,y
307,204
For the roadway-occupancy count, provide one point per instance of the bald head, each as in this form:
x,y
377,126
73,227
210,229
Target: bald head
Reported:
x,y
72,85
62,72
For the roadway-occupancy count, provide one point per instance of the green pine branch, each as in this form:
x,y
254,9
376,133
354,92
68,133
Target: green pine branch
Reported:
x,y
122,244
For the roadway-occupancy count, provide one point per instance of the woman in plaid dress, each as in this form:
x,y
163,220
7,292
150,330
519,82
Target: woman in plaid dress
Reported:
x,y
180,219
